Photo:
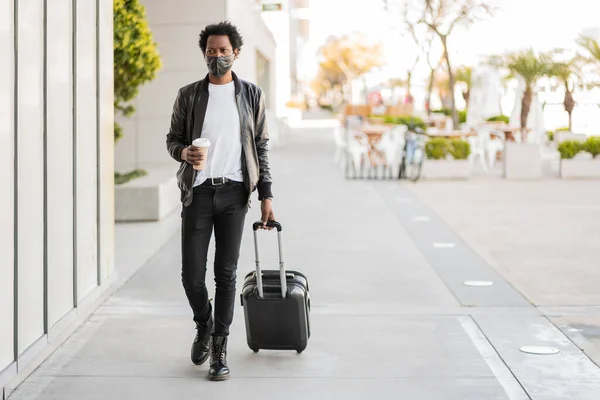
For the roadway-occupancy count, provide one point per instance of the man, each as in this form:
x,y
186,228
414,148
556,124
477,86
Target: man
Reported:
x,y
231,114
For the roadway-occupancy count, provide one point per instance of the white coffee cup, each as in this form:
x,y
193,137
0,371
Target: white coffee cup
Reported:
x,y
203,144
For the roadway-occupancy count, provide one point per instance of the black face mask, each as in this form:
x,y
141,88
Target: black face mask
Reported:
x,y
219,66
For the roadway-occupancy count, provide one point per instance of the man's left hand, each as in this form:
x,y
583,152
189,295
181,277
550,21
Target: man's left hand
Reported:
x,y
266,208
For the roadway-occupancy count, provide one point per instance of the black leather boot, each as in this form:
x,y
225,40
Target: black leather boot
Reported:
x,y
218,359
201,345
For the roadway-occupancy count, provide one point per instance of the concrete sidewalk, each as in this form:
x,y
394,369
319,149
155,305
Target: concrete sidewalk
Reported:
x,y
391,315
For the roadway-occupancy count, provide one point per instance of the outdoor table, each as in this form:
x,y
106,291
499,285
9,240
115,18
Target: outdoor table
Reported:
x,y
508,130
455,134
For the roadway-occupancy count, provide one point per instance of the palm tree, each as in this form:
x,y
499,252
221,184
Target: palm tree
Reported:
x,y
565,71
592,46
529,66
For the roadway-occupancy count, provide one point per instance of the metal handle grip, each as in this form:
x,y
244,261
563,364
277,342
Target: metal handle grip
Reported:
x,y
282,273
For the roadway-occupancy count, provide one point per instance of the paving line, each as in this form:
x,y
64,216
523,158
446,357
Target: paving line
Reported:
x,y
509,383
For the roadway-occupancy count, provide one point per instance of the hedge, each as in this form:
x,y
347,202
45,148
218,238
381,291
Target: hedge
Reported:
x,y
499,118
462,114
440,148
407,120
569,148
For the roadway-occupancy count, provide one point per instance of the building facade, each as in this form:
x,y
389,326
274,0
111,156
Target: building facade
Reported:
x,y
176,29
299,37
56,172
276,14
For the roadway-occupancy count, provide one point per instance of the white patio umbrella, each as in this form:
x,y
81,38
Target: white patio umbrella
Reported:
x,y
535,119
485,95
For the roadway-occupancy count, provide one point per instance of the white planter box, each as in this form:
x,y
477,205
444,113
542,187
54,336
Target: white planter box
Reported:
x,y
149,198
522,161
446,169
580,169
561,136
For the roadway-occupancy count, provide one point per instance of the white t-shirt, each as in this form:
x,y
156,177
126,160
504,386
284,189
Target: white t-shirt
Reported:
x,y
222,128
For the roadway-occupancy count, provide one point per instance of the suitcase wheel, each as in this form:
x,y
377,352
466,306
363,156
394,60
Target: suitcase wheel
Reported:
x,y
299,351
255,350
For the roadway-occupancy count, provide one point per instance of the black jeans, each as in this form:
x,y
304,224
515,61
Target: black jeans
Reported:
x,y
223,208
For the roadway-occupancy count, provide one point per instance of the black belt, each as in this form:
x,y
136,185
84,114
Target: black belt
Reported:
x,y
216,181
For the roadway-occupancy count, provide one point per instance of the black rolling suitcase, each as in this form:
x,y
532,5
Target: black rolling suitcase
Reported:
x,y
276,305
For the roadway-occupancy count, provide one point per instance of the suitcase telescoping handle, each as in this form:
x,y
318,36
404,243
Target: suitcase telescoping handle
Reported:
x,y
259,283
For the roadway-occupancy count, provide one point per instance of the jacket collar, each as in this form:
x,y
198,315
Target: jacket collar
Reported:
x,y
236,83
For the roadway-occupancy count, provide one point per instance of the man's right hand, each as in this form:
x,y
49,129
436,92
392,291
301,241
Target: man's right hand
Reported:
x,y
191,154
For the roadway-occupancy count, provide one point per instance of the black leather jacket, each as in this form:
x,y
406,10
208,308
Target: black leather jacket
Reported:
x,y
186,125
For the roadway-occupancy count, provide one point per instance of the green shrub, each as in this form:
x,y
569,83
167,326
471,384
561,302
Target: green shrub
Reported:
x,y
550,135
436,148
462,114
326,107
499,118
404,121
136,59
418,122
459,149
569,149
124,178
592,145
446,111
440,148
563,129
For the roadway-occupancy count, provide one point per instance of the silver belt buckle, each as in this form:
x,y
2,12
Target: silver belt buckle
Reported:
x,y
217,181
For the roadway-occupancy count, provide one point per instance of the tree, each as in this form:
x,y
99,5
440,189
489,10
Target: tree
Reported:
x,y
530,67
136,59
434,62
592,57
351,55
442,17
396,83
463,74
592,47
412,27
330,78
566,72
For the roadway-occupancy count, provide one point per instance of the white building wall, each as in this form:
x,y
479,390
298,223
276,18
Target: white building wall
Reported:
x,y
53,160
86,141
59,93
176,31
7,179
106,140
30,172
279,24
246,15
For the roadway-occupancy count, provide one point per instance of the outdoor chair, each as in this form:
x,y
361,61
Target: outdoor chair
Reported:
x,y
484,148
358,149
391,146
341,145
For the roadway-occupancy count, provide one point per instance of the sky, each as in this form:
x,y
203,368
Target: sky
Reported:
x,y
517,24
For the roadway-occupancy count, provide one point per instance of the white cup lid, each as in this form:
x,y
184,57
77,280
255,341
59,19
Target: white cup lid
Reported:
x,y
201,142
